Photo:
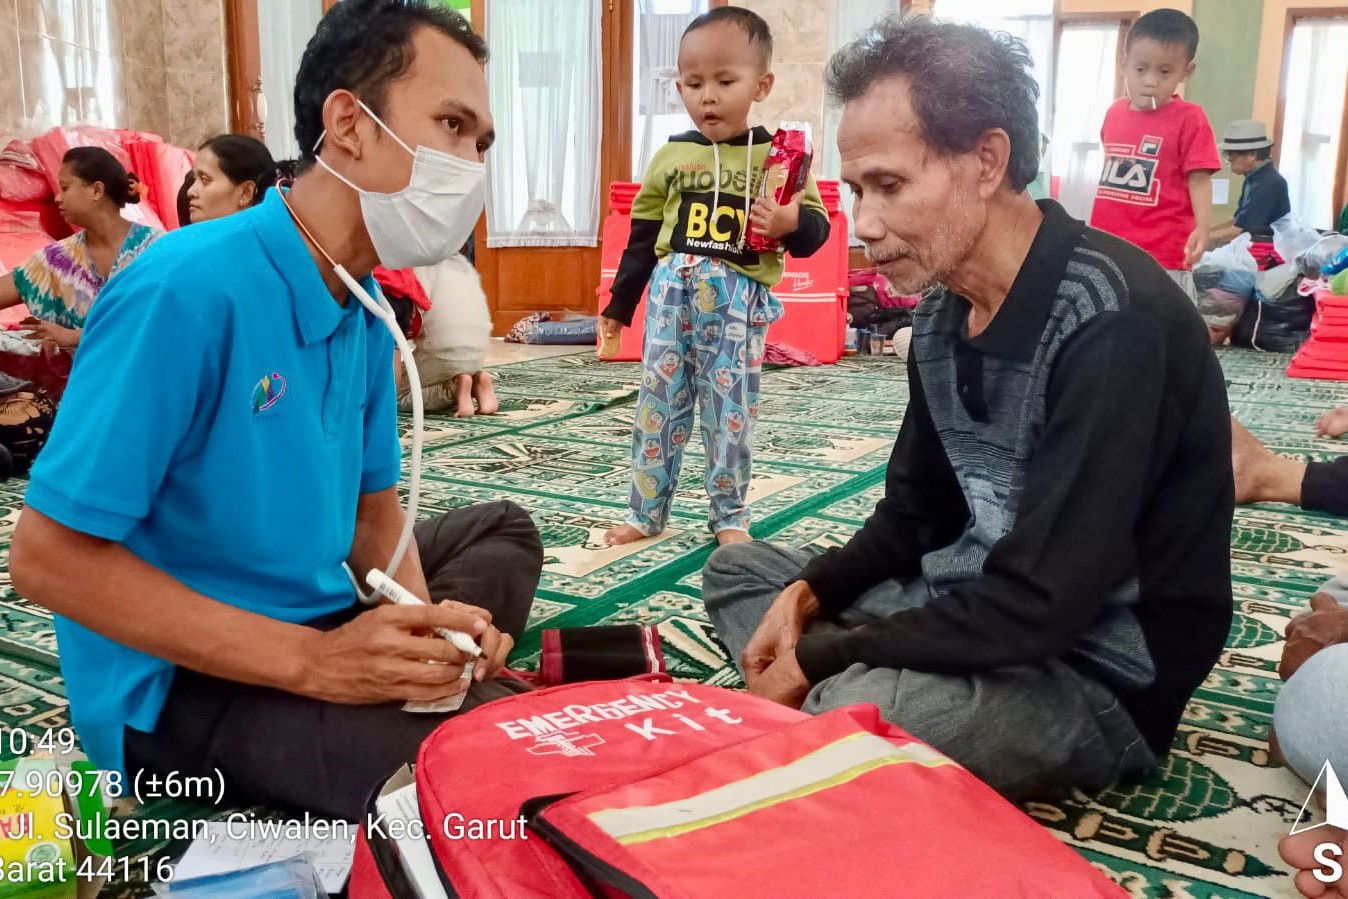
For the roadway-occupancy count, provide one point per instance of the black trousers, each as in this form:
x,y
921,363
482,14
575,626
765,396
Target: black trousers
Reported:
x,y
1324,487
280,749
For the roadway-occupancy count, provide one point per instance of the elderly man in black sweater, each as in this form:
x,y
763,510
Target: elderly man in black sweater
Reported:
x,y
1047,578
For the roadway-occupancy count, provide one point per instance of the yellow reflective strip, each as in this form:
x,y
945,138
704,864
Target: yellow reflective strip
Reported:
x,y
837,763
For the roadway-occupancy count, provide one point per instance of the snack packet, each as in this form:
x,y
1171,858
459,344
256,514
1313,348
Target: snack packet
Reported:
x,y
785,172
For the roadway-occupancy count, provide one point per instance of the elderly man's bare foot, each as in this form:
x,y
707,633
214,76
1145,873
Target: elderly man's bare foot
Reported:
x,y
733,535
1262,476
487,404
622,535
463,396
1299,852
1249,459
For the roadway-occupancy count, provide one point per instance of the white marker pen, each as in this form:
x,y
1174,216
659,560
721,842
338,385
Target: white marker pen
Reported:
x,y
1153,103
388,587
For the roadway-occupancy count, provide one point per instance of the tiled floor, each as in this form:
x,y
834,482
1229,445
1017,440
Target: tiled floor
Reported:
x,y
502,353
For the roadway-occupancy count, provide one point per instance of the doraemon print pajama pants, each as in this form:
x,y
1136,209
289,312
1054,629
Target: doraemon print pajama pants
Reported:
x,y
706,329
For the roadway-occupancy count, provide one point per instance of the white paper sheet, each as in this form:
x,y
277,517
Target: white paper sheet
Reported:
x,y
218,852
1221,191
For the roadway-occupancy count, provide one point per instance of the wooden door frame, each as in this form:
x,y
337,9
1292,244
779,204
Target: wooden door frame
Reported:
x,y
244,65
1294,15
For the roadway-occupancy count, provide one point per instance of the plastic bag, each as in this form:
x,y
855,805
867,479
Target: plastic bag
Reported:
x,y
1219,308
21,177
21,235
1279,319
1231,268
1339,263
293,878
50,148
161,168
1320,253
1291,237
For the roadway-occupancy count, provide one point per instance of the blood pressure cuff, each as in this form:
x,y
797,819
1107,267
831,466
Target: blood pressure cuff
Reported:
x,y
609,652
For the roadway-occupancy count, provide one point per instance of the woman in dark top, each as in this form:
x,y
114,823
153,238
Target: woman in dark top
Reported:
x,y
232,172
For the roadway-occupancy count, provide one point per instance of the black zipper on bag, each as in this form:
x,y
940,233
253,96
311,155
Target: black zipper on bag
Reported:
x,y
592,870
440,871
386,860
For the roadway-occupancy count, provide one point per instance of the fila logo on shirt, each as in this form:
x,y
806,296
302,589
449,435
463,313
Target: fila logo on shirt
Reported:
x,y
1329,854
1130,172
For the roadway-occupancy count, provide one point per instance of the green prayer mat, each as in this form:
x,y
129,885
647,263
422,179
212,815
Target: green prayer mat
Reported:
x,y
1205,825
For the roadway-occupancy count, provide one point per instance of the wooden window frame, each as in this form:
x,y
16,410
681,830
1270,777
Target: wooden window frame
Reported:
x,y
1294,15
1123,18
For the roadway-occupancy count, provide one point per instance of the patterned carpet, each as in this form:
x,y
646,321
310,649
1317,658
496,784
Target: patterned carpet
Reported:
x,y
1206,825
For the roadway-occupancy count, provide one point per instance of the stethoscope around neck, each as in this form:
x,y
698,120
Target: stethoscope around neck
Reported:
x,y
382,583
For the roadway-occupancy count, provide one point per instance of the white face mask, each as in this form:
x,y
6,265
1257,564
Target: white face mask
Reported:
x,y
430,219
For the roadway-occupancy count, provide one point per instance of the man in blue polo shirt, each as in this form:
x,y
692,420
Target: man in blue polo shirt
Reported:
x,y
1263,197
229,439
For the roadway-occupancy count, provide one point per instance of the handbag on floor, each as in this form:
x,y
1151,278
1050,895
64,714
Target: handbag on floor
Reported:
x,y
645,787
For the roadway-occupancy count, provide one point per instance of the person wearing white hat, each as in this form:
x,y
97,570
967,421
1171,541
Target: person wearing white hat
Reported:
x,y
1263,198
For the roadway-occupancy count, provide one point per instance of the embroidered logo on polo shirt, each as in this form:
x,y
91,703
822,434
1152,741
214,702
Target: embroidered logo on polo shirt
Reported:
x,y
268,392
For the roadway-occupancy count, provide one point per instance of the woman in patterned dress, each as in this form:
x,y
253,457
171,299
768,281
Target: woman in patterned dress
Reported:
x,y
60,283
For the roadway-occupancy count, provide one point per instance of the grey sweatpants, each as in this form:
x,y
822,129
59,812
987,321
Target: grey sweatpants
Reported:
x,y
1308,716
1030,731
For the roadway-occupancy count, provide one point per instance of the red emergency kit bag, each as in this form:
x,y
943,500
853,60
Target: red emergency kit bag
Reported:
x,y
645,787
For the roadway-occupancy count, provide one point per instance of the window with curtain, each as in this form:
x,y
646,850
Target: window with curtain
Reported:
x,y
70,78
847,20
1312,127
1084,89
657,109
283,29
1029,20
545,79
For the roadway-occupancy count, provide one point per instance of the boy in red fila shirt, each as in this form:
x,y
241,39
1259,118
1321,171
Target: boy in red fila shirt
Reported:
x,y
1156,187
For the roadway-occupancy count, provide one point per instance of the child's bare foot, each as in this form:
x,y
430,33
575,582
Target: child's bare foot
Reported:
x,y
622,535
487,404
463,396
1299,851
1333,423
733,535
